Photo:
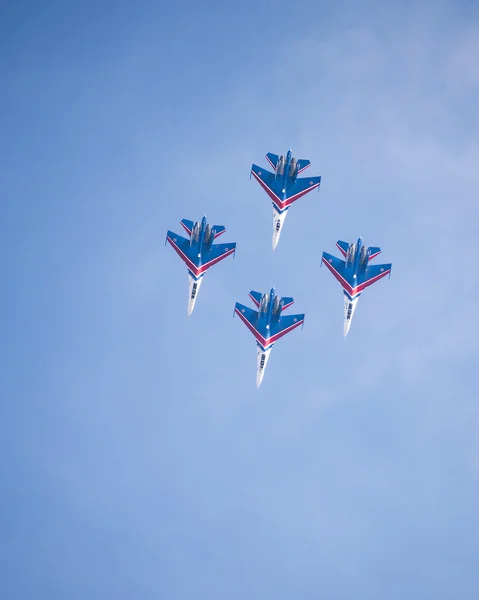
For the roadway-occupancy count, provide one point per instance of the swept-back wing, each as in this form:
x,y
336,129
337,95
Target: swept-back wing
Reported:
x,y
372,274
217,253
284,325
337,268
182,247
250,319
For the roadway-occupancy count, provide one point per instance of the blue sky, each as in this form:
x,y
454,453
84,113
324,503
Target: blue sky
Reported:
x,y
139,461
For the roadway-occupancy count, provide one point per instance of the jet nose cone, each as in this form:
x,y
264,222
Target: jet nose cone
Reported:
x,y
193,289
259,379
275,240
347,325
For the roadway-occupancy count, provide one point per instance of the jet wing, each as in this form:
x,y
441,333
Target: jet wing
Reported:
x,y
256,297
219,229
249,318
283,326
343,247
303,164
282,197
272,159
217,253
372,274
182,248
337,268
263,176
187,225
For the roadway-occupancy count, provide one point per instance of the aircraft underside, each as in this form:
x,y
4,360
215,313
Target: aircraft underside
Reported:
x,y
278,222
262,357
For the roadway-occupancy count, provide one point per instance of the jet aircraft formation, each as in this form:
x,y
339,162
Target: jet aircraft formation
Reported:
x,y
267,323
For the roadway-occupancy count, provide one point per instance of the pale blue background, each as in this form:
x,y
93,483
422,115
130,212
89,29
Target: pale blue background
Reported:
x,y
138,460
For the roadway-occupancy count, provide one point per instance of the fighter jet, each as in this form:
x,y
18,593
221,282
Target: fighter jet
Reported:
x,y
266,324
355,274
198,252
283,186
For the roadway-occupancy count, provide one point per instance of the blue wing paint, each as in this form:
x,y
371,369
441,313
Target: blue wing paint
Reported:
x,y
256,297
272,159
218,252
373,252
177,241
287,301
187,225
219,229
303,164
284,325
372,274
343,247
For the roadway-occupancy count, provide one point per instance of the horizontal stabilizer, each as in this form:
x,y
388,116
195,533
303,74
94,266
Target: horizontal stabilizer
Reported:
x,y
302,164
187,225
287,301
373,251
256,297
343,247
272,159
219,229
